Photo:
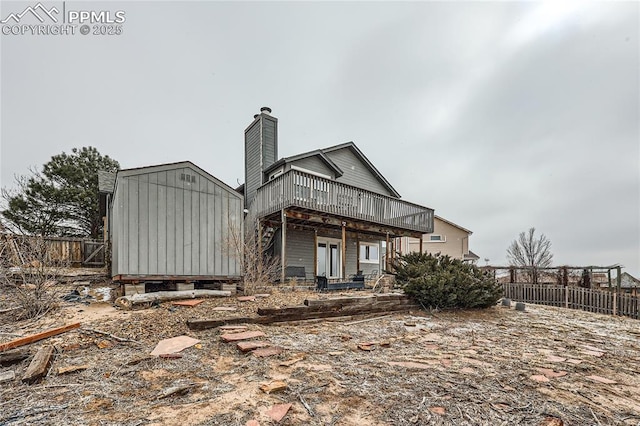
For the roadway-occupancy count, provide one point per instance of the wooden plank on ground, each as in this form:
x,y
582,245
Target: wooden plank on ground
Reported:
x,y
39,365
35,337
12,357
300,314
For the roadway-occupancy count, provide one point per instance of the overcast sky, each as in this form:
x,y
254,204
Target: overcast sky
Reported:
x,y
500,116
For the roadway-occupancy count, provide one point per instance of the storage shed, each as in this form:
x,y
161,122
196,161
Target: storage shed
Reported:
x,y
174,222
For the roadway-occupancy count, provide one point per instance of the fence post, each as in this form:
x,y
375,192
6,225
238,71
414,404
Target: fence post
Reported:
x,y
566,296
615,305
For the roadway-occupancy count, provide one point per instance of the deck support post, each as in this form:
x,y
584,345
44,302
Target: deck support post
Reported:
x,y
315,255
420,244
344,250
283,246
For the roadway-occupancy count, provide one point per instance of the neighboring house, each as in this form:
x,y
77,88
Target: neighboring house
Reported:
x,y
171,223
327,212
628,284
447,239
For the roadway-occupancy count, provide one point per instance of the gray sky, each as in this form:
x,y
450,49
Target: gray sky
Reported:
x,y
500,116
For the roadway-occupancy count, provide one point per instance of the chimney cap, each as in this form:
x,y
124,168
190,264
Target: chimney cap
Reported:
x,y
265,110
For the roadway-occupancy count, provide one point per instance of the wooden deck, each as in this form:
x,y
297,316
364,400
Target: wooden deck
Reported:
x,y
316,194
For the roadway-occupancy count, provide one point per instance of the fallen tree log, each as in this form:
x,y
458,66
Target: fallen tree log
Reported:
x,y
129,302
35,337
304,313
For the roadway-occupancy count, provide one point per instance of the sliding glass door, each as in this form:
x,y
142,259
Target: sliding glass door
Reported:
x,y
328,254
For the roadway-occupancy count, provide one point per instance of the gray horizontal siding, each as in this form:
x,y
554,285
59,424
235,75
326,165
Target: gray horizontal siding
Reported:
x,y
300,250
269,141
252,162
314,164
355,172
164,225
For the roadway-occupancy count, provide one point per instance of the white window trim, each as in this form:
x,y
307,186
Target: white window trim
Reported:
x,y
362,260
311,172
275,174
443,238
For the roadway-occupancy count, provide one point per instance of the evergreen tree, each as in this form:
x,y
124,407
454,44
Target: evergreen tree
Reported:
x,y
62,199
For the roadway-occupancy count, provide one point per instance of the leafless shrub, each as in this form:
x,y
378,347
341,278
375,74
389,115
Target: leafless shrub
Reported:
x,y
26,275
257,268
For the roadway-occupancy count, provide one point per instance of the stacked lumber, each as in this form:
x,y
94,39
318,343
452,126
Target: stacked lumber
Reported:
x,y
318,309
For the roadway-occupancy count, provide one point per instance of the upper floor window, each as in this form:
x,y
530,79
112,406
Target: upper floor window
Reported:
x,y
437,238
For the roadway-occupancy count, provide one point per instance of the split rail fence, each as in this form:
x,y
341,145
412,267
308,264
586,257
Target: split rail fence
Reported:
x,y
590,300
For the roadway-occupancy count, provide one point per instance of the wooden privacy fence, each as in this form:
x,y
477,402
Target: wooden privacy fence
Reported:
x,y
21,250
586,299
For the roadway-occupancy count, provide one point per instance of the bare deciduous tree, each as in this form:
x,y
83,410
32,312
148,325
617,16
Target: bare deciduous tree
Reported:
x,y
257,267
28,274
530,252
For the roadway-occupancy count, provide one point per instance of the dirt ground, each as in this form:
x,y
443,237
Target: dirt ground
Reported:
x,y
544,366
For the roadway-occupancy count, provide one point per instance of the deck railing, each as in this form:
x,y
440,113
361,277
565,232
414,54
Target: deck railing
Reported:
x,y
298,189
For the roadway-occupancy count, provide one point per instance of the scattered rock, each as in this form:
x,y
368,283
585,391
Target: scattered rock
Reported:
x,y
437,410
410,364
7,376
273,386
552,421
278,411
173,345
268,351
241,336
293,360
539,378
250,346
602,380
547,372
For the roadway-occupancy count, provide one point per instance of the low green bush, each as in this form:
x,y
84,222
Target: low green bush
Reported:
x,y
437,281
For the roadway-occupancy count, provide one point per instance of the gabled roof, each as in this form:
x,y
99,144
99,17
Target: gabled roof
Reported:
x,y
471,256
321,154
316,153
172,166
453,224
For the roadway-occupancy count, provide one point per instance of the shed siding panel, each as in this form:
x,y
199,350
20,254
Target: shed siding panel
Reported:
x,y
355,172
152,228
132,229
161,227
165,225
143,223
171,229
179,246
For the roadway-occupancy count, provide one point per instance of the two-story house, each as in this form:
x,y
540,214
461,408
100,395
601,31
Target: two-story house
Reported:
x,y
447,238
327,212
